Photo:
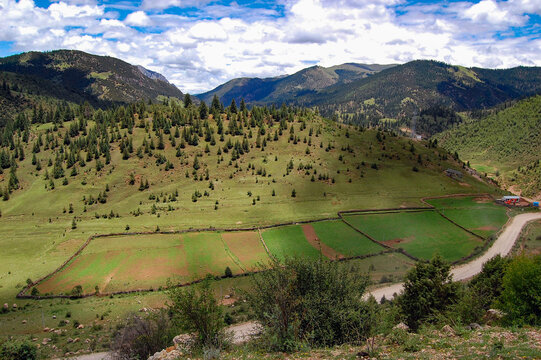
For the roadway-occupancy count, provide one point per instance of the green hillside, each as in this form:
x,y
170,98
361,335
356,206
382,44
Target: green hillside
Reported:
x,y
76,76
505,144
146,167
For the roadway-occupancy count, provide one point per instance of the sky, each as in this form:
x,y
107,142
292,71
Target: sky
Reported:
x,y
200,44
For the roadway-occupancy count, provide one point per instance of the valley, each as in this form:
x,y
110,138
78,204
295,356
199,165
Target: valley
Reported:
x,y
115,194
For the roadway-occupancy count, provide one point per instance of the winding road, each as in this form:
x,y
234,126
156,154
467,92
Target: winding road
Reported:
x,y
502,246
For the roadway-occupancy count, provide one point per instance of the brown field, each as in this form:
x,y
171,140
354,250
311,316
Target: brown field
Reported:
x,y
246,247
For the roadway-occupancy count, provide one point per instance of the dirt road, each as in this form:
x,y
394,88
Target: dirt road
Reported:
x,y
501,246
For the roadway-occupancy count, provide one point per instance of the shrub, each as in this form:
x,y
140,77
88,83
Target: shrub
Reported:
x,y
520,297
77,291
428,291
140,337
481,293
196,310
304,301
18,350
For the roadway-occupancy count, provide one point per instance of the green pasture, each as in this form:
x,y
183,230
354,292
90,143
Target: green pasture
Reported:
x,y
422,234
206,254
477,214
342,238
289,241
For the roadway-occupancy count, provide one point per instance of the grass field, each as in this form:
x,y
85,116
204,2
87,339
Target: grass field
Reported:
x,y
422,234
477,214
342,238
289,241
142,262
246,248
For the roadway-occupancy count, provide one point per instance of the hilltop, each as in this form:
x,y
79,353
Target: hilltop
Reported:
x,y
504,143
289,88
76,76
376,92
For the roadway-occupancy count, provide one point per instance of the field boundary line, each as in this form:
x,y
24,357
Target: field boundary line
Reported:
x,y
402,251
233,257
265,245
452,221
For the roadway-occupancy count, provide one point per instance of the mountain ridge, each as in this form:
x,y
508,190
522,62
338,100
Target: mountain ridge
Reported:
x,y
398,91
77,76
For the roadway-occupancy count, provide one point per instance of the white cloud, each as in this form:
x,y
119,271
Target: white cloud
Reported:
x,y
200,53
138,18
209,31
491,12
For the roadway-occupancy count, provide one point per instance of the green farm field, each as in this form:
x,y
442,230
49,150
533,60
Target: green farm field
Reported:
x,y
147,261
345,240
289,241
422,234
480,215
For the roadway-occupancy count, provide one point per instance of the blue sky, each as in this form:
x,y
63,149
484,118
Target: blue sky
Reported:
x,y
199,44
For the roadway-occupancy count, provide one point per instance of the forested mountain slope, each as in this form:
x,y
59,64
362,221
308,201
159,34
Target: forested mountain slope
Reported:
x,y
394,91
506,144
76,76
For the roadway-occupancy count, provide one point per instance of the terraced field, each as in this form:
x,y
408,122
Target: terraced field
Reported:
x,y
130,262
422,234
477,214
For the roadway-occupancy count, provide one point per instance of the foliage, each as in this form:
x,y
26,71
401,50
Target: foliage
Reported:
x,y
141,336
480,294
305,301
18,350
195,309
521,294
428,290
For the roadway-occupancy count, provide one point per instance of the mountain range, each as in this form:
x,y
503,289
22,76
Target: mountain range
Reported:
x,y
359,92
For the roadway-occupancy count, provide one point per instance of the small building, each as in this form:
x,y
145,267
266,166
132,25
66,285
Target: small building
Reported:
x,y
511,199
536,203
453,173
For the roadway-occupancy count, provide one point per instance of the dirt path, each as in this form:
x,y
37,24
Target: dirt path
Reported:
x,y
244,332
501,246
310,235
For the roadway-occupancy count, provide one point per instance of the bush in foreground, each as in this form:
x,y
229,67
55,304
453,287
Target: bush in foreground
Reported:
x,y
142,336
18,350
428,291
521,293
195,310
305,302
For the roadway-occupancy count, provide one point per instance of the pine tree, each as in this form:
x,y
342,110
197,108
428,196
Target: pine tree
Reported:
x,y
233,107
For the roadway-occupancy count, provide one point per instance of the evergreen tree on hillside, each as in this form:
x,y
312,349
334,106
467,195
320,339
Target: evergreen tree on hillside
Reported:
x,y
187,100
203,111
233,107
215,106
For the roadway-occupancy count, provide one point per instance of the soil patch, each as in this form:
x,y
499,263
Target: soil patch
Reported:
x,y
312,238
482,200
394,242
486,228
